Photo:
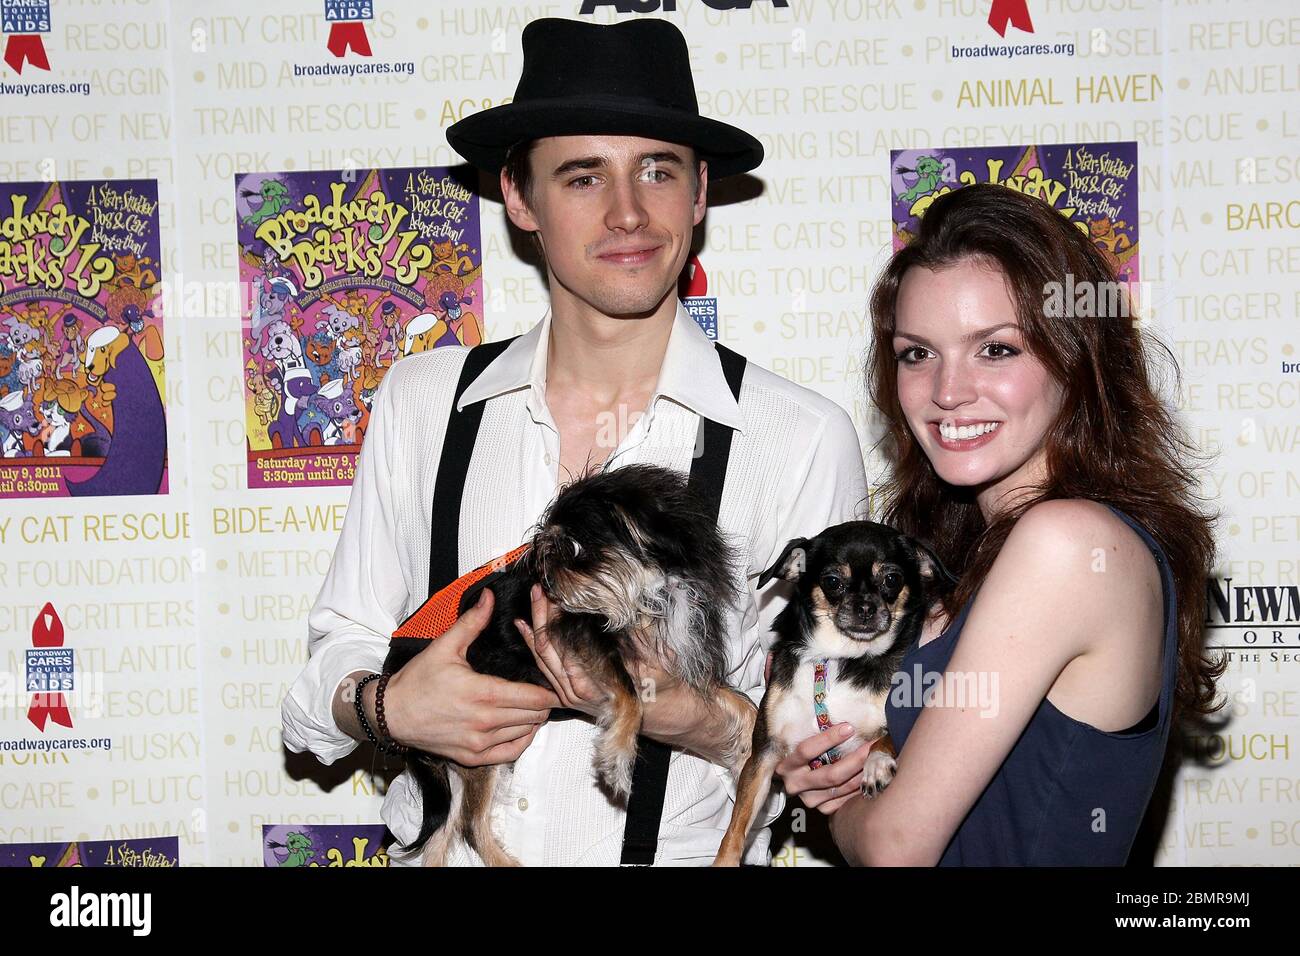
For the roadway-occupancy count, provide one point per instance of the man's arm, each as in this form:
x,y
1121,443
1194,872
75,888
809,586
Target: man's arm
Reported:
x,y
358,606
828,487
344,705
436,702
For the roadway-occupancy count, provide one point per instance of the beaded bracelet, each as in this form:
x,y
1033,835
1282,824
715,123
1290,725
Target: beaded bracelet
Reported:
x,y
361,710
391,745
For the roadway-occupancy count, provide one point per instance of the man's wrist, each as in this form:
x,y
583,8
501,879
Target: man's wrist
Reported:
x,y
345,704
707,728
368,703
666,712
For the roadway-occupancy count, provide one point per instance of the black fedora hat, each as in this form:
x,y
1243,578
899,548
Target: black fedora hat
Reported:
x,y
631,78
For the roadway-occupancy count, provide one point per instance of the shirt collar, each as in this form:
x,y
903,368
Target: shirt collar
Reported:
x,y
691,374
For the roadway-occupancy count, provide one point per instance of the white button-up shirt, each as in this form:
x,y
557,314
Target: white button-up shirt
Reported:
x,y
795,468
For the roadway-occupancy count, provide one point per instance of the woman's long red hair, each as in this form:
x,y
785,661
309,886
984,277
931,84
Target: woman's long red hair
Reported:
x,y
1114,441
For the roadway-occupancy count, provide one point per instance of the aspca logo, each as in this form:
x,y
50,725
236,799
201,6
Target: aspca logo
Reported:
x,y
49,671
347,19
1010,12
667,6
24,21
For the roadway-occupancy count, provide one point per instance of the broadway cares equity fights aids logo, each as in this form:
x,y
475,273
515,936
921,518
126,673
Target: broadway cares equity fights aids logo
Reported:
x,y
49,671
23,22
1013,12
692,289
347,20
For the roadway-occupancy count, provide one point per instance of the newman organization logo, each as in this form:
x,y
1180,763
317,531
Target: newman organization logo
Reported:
x,y
22,22
1254,622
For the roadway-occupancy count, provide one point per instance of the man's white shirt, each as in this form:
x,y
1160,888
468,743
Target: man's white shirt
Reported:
x,y
795,468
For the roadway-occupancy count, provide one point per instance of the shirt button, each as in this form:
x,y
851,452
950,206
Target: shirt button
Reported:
x,y
522,804
548,458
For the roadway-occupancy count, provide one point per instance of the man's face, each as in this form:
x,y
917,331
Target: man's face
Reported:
x,y
614,215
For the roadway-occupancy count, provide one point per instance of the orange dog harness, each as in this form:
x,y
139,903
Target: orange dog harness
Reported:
x,y
435,616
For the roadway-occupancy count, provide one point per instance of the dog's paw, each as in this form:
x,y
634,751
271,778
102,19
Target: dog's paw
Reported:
x,y
878,771
615,762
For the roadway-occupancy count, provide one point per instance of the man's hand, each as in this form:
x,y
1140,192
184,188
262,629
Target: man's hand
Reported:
x,y
672,713
573,686
438,703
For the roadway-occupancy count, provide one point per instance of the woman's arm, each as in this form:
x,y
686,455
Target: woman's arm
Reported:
x,y
1043,604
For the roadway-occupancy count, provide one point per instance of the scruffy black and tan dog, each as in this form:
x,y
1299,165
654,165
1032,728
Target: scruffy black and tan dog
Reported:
x,y
862,593
635,565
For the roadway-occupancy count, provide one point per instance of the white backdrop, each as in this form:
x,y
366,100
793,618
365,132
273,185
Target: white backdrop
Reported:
x,y
187,611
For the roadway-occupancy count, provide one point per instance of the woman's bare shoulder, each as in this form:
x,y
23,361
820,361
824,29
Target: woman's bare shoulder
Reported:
x,y
1102,564
1111,584
1075,525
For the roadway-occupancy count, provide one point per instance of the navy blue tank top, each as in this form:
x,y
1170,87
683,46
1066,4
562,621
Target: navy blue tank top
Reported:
x,y
1044,806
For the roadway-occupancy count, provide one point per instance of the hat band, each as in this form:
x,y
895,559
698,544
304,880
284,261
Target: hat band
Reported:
x,y
619,102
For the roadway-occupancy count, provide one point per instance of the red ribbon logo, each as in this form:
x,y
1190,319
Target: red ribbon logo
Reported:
x,y
693,281
22,48
1015,12
351,34
47,631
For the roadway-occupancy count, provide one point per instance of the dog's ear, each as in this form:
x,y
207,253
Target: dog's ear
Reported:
x,y
932,569
792,563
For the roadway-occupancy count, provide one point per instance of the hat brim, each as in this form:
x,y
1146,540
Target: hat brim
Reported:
x,y
484,138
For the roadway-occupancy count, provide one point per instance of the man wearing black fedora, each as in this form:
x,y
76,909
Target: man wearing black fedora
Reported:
x,y
602,155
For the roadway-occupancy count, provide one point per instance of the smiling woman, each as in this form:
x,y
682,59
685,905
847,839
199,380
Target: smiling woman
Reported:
x,y
1029,447
961,338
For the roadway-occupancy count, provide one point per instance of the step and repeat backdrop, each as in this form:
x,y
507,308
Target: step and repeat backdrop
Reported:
x,y
220,224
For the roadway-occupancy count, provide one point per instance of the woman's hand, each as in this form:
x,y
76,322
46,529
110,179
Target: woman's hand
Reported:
x,y
572,685
830,786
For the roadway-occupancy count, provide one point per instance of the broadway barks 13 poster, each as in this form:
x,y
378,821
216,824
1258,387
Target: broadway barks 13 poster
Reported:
x,y
81,340
1094,185
347,272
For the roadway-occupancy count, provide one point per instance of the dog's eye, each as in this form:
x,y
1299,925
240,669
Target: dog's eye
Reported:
x,y
832,586
577,548
893,581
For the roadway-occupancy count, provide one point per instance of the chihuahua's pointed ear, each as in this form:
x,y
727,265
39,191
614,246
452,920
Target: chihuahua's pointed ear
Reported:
x,y
932,569
792,563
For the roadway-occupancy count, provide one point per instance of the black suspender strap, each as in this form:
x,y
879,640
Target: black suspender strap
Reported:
x,y
449,487
645,803
707,477
448,490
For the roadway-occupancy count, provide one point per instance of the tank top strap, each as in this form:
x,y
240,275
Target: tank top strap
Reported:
x,y
953,627
1169,593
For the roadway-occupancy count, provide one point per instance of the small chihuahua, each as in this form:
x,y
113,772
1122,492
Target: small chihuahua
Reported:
x,y
862,593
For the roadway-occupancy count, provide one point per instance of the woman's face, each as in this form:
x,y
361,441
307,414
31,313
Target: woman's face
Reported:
x,y
977,402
